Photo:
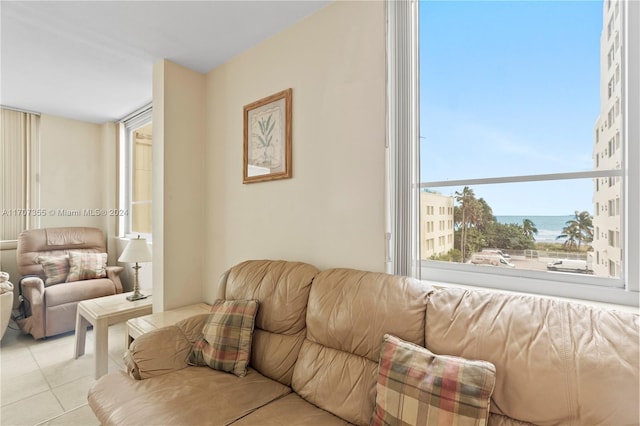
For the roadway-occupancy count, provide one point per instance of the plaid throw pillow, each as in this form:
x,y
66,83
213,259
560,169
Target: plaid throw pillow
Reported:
x,y
226,338
416,387
86,266
55,269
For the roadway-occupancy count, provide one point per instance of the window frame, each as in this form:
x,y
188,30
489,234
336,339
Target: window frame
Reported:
x,y
405,28
127,126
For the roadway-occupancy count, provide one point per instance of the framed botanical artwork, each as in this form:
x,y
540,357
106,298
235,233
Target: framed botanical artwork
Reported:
x,y
267,138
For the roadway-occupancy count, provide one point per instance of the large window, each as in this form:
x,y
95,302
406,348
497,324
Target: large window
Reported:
x,y
136,178
518,106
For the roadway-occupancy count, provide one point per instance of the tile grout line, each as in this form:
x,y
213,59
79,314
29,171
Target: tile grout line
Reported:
x,y
115,359
60,415
44,376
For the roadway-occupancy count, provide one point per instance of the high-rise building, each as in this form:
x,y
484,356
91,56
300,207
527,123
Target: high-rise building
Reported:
x,y
609,141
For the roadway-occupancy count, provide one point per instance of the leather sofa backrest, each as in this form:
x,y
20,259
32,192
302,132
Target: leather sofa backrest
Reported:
x,y
348,314
282,289
556,362
34,243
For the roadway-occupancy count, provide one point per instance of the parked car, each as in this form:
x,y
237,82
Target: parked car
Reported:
x,y
497,251
570,265
492,259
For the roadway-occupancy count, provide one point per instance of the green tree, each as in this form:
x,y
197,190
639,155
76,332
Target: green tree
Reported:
x,y
529,228
452,255
577,231
571,235
483,214
508,236
473,217
466,199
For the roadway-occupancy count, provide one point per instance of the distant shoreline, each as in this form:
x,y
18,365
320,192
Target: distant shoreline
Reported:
x,y
549,243
549,227
558,246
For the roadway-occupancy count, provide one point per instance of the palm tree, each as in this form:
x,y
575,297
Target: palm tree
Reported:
x,y
466,199
572,234
579,229
529,229
585,225
483,214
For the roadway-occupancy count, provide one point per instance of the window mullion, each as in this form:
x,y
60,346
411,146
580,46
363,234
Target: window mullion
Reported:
x,y
525,178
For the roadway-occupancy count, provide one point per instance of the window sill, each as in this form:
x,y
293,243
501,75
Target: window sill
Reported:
x,y
8,244
593,303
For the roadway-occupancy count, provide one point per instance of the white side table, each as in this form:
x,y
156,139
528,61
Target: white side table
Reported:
x,y
101,313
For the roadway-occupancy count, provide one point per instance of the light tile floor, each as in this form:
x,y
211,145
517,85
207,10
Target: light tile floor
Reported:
x,y
41,383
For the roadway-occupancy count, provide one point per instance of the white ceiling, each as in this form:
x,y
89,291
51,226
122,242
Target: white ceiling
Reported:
x,y
92,60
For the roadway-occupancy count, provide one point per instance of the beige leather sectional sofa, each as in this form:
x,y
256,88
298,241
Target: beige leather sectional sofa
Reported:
x,y
317,343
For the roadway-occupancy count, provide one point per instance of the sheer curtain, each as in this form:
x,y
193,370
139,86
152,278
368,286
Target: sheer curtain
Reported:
x,y
19,132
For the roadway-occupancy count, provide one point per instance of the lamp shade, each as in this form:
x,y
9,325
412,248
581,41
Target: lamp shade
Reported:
x,y
136,251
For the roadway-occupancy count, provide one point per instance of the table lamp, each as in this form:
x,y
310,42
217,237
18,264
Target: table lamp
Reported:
x,y
136,251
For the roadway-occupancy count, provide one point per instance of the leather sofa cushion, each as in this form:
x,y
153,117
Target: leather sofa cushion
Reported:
x,y
281,287
191,396
349,313
76,291
290,410
352,310
556,362
282,290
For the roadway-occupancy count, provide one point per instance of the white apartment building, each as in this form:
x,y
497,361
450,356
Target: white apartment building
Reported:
x,y
607,148
436,224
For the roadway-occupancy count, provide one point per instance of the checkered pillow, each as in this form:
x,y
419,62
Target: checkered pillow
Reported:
x,y
226,338
56,268
86,266
416,387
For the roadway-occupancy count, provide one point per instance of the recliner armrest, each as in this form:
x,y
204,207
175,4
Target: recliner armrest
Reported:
x,y
163,350
32,289
113,273
35,283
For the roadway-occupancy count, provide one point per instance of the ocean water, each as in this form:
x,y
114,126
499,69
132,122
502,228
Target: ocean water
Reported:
x,y
549,227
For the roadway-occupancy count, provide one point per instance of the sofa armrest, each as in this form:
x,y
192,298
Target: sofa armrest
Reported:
x,y
113,273
163,350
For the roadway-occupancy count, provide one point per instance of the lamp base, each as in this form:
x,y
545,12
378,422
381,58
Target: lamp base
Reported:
x,y
136,296
136,288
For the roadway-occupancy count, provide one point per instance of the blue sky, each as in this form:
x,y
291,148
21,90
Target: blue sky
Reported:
x,y
511,88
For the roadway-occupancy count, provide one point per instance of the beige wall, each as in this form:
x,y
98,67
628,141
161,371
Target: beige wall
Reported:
x,y
72,172
178,185
331,213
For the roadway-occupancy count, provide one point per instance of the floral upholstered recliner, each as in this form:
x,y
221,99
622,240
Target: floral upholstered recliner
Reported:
x,y
61,267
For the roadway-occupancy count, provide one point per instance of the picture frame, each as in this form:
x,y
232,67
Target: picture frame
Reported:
x,y
267,138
